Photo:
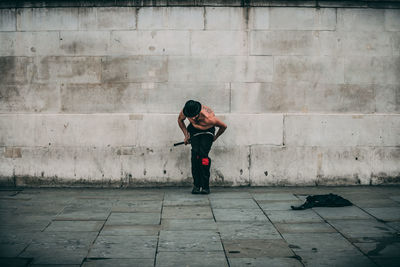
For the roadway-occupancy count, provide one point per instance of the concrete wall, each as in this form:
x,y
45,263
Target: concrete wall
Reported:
x,y
90,95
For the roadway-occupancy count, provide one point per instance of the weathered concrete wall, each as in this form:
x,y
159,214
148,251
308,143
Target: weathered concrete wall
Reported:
x,y
90,95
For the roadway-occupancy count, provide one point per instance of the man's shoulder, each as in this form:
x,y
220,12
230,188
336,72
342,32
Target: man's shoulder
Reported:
x,y
207,110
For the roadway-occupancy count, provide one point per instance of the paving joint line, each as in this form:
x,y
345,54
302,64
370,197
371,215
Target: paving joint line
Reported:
x,y
53,219
379,220
159,231
18,256
219,233
94,241
30,261
296,256
348,240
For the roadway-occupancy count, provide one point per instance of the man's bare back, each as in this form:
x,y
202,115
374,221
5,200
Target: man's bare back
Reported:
x,y
205,120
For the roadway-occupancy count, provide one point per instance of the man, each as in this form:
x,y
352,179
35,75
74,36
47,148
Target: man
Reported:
x,y
200,134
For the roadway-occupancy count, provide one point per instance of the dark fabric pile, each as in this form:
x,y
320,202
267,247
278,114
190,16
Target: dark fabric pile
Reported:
x,y
330,200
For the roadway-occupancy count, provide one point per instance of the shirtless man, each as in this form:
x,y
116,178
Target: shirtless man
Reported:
x,y
201,134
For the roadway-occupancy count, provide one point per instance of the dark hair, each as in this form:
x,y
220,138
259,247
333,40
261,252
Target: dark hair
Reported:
x,y
192,108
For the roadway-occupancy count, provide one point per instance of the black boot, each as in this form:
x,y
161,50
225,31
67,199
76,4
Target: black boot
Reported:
x,y
196,190
205,191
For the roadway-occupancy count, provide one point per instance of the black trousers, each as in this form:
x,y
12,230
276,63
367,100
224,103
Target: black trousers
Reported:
x,y
201,141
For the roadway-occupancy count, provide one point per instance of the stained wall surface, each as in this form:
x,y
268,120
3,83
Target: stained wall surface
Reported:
x,y
90,95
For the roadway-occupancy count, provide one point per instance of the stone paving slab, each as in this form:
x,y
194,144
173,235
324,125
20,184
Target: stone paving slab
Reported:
x,y
73,240
395,198
183,196
275,196
141,197
267,205
220,203
394,225
30,205
387,248
127,230
75,226
137,206
7,193
15,198
20,219
133,218
335,258
304,228
116,205
386,214
118,262
202,240
262,262
12,250
98,197
257,248
293,216
192,259
55,256
27,227
187,202
360,196
7,210
42,209
342,213
139,247
387,262
143,194
14,262
84,214
184,212
375,203
313,242
188,224
59,248
247,230
91,202
361,228
14,237
229,195
241,215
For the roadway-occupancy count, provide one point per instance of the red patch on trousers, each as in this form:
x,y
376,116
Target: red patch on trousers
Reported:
x,y
205,161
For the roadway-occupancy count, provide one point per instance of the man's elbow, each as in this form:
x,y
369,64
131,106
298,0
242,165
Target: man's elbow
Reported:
x,y
181,123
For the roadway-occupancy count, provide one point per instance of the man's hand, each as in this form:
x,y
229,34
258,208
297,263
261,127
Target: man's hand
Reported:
x,y
222,127
187,139
181,123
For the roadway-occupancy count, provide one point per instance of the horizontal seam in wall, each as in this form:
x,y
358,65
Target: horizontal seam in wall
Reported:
x,y
320,5
215,146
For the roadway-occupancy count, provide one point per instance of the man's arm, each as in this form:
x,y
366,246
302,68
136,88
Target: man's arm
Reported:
x,y
221,127
181,123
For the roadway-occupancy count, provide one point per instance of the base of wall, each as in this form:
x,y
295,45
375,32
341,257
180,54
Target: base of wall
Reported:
x,y
56,182
26,181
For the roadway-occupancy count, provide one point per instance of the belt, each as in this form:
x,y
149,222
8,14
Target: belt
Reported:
x,y
196,134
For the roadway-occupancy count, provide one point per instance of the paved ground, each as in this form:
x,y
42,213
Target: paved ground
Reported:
x,y
171,227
